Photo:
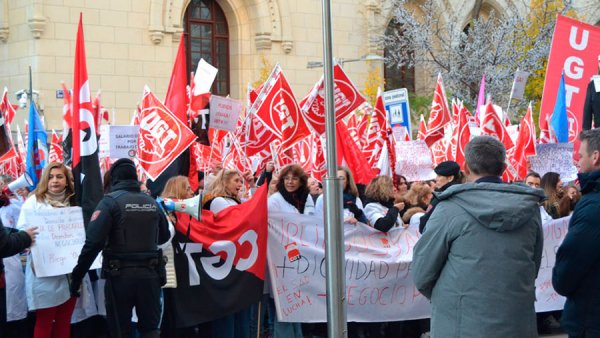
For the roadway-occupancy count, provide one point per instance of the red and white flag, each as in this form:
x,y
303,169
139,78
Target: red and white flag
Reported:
x,y
56,151
86,168
319,168
439,116
363,125
376,133
525,144
302,154
422,128
8,110
492,125
346,97
22,151
462,135
163,136
277,109
348,152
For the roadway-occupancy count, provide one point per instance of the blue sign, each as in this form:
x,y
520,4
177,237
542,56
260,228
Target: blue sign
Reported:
x,y
397,108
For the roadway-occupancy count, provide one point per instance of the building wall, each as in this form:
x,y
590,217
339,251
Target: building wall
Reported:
x,y
132,43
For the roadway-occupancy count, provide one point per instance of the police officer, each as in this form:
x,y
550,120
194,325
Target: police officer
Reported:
x,y
127,225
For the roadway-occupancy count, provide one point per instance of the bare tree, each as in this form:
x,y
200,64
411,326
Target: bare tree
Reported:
x,y
496,45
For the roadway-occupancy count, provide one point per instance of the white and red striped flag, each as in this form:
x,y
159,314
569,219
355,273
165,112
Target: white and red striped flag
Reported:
x,y
439,116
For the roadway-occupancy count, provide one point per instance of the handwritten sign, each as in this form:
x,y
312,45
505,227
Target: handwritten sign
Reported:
x,y
224,112
555,157
103,148
123,141
414,161
547,299
61,237
378,279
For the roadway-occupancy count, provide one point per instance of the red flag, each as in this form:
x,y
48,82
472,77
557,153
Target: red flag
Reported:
x,y
462,135
176,99
67,105
347,98
56,151
422,129
22,153
377,133
438,151
7,109
86,168
439,116
491,125
276,108
302,154
525,144
163,136
348,151
319,168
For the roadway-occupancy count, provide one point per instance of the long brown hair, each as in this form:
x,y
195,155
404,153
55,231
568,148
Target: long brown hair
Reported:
x,y
295,170
380,189
350,184
176,187
42,187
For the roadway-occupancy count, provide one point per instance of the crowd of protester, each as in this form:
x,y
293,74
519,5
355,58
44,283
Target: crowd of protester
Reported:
x,y
43,306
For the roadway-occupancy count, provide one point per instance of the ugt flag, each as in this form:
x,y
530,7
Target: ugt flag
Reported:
x,y
37,146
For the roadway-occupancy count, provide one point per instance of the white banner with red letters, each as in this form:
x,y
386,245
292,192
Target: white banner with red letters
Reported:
x,y
378,279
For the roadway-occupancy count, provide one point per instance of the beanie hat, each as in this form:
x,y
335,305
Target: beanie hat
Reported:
x,y
447,168
123,169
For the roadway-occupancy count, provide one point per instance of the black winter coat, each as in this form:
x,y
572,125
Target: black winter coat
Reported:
x,y
591,108
576,273
12,242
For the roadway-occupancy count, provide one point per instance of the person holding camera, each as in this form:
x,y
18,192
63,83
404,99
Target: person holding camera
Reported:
x,y
127,226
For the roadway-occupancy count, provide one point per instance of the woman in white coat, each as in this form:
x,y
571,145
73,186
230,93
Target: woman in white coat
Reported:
x,y
292,196
49,297
353,207
381,210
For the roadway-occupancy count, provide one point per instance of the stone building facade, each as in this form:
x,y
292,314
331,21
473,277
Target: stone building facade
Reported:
x,y
132,43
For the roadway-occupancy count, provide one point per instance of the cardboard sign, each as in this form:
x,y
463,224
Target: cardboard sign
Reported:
x,y
204,77
224,112
61,237
414,161
555,157
519,84
123,141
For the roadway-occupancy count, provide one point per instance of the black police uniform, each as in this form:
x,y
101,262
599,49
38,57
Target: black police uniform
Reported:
x,y
128,226
591,108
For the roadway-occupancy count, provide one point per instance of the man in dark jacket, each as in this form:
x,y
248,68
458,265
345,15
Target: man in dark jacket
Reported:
x,y
576,273
591,106
479,257
127,225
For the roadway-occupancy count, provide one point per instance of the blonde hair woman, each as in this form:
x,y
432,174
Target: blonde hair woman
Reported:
x,y
49,296
380,209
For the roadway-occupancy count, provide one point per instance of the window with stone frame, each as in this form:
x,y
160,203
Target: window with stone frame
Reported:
x,y
207,37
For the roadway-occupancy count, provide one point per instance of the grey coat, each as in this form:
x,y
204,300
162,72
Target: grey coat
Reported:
x,y
478,259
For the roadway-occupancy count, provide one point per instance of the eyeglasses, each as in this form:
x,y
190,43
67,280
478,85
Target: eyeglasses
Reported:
x,y
291,178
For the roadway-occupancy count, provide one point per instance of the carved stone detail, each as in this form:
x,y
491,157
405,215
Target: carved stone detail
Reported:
x,y
3,34
287,46
263,41
37,25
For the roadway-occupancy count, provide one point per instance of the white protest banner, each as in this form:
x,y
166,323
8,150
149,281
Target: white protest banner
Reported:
x,y
61,237
123,141
519,84
414,161
224,112
556,157
379,284
546,298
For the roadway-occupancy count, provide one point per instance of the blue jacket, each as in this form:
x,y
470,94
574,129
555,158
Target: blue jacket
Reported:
x,y
576,273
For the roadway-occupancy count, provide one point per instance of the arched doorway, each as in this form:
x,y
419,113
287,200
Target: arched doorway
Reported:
x,y
207,37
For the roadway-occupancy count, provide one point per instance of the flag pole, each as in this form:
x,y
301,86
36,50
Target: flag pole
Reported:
x,y
334,254
512,89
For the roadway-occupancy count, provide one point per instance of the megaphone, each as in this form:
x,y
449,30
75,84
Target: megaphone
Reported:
x,y
22,182
190,206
